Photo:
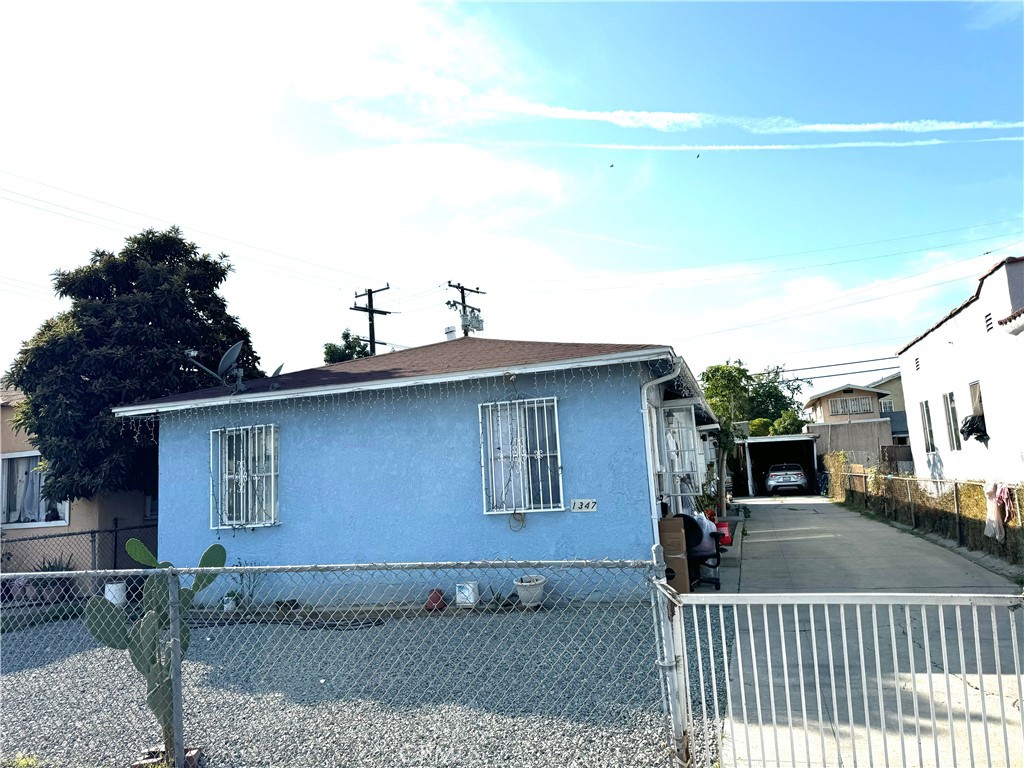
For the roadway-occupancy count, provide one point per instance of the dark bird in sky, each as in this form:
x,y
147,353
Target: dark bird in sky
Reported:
x,y
612,165
698,155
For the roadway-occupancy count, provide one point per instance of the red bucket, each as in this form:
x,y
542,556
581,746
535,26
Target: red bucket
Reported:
x,y
726,540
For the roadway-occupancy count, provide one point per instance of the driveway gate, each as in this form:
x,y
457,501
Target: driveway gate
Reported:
x,y
849,679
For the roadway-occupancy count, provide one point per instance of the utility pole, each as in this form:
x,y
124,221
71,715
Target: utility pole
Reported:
x,y
368,309
469,322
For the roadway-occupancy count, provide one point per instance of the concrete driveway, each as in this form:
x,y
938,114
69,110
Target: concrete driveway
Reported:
x,y
807,544
880,684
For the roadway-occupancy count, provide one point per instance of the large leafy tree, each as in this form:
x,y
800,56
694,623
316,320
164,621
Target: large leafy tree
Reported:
x,y
349,349
133,315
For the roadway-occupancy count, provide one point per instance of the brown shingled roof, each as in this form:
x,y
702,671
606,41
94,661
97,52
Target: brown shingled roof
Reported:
x,y
460,356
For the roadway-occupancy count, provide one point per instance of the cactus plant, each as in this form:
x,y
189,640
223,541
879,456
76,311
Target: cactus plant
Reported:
x,y
148,639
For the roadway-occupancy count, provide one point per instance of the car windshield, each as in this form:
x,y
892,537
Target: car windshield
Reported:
x,y
786,468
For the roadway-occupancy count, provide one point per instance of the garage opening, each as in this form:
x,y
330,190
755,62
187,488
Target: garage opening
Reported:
x,y
757,454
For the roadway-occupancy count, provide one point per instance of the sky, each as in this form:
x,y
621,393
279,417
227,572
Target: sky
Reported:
x,y
787,184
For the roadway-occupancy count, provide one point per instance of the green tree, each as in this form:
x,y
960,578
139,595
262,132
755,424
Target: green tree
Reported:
x,y
349,349
772,394
789,423
760,427
133,315
736,394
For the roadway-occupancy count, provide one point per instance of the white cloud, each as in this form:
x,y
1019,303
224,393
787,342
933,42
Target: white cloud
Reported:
x,y
758,147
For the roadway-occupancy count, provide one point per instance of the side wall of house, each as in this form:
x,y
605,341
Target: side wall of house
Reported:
x,y
395,476
961,351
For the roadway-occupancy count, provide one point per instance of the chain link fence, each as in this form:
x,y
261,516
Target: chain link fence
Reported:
x,y
953,509
511,663
80,551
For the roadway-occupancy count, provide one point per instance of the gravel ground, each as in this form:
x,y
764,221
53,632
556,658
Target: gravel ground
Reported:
x,y
568,687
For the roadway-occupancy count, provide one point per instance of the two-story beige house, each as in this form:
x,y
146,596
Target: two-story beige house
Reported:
x,y
849,418
36,532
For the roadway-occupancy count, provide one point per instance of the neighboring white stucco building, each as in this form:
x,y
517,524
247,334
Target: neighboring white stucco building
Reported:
x,y
971,363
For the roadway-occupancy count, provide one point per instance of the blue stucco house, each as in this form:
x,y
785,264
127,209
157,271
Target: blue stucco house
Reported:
x,y
468,449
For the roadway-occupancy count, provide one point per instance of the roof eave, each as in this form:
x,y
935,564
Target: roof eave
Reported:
x,y
635,356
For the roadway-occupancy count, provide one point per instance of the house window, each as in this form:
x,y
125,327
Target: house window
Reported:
x,y
244,477
21,492
886,405
844,406
926,424
522,470
977,407
951,429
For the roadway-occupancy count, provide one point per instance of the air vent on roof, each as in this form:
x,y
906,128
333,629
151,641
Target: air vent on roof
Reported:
x,y
917,363
988,322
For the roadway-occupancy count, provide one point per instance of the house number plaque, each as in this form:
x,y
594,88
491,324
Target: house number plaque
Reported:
x,y
584,505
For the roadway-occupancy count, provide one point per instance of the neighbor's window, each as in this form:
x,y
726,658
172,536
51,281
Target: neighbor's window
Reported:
x,y
977,407
243,477
926,425
951,428
844,406
22,496
519,451
886,405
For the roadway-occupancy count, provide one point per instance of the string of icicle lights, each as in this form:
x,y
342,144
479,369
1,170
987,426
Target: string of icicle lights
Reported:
x,y
592,383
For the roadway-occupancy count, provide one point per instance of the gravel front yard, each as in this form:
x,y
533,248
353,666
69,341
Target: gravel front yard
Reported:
x,y
569,687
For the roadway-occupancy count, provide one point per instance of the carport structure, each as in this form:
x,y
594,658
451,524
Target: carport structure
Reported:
x,y
757,454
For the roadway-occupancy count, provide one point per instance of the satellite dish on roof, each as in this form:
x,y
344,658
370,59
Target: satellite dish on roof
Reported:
x,y
229,360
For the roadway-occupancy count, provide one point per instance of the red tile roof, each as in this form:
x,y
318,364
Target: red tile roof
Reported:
x,y
447,358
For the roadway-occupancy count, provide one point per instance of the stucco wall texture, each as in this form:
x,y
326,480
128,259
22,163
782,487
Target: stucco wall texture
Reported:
x,y
395,476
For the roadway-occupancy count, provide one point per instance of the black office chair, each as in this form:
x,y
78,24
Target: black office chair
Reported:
x,y
694,538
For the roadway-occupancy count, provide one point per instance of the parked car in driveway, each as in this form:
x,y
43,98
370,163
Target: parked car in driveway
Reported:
x,y
786,476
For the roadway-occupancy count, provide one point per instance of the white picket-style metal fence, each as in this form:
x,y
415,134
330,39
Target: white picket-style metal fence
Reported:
x,y
850,679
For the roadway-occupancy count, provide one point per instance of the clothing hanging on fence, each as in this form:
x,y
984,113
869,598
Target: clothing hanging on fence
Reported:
x,y
999,510
1004,496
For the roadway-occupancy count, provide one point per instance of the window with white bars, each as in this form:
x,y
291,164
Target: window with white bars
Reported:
x,y
244,477
886,405
844,406
522,469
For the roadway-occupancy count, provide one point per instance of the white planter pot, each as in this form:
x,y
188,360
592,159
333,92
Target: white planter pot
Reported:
x,y
530,589
116,592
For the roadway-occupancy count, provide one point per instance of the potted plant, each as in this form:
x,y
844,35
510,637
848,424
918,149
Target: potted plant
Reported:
x,y
530,589
232,601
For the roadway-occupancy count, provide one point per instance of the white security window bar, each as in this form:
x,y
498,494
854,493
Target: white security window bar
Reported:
x,y
21,493
244,477
845,406
681,472
520,458
887,405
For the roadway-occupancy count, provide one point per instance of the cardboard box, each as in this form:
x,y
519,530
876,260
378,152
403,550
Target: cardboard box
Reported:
x,y
673,538
677,574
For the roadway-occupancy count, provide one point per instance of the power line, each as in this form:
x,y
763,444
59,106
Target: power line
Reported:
x,y
825,250
803,313
831,365
849,373
370,311
167,221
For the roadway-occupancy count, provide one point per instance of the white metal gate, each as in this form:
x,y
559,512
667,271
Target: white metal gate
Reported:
x,y
850,679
